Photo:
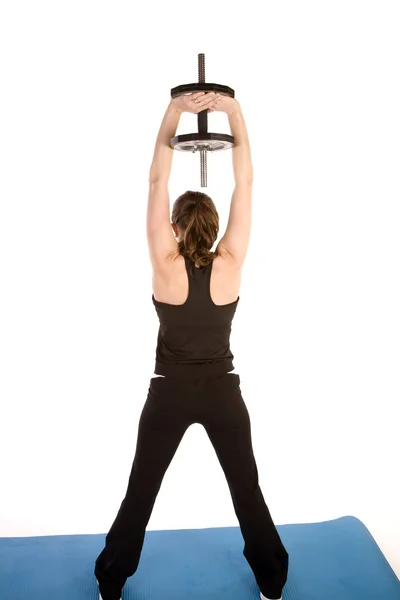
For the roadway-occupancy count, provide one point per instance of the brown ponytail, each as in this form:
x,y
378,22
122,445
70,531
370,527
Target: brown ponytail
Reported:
x,y
197,219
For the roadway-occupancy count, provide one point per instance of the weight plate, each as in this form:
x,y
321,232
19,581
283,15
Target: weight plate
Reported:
x,y
202,87
193,142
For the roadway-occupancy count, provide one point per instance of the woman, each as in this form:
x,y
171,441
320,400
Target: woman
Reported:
x,y
195,294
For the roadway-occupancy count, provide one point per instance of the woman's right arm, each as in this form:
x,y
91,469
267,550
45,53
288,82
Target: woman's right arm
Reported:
x,y
235,242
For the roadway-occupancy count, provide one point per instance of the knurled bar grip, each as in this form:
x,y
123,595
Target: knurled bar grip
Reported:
x,y
203,168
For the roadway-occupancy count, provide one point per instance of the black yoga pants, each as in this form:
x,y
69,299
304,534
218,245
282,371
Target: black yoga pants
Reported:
x,y
172,405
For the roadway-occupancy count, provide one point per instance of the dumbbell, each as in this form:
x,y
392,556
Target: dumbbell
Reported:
x,y
202,141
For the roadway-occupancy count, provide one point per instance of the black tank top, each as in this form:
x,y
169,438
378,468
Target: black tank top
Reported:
x,y
194,337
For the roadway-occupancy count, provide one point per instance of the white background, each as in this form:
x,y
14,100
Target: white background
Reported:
x,y
316,336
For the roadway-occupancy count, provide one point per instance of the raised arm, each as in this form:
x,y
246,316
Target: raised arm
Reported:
x,y
235,242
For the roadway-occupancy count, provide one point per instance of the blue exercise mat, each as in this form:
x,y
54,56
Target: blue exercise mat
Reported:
x,y
332,560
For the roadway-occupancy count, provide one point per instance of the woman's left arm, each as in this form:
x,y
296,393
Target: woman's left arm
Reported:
x,y
160,169
160,236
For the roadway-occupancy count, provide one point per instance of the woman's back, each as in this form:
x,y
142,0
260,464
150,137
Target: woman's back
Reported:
x,y
194,332
171,285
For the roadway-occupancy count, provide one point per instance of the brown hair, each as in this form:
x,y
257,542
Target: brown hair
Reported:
x,y
197,219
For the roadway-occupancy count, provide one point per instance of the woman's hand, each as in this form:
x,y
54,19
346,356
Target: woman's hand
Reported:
x,y
225,104
195,103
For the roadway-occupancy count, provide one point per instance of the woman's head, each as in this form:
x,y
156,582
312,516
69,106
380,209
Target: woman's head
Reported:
x,y
196,224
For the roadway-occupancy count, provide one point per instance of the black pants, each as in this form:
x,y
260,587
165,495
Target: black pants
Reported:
x,y
172,405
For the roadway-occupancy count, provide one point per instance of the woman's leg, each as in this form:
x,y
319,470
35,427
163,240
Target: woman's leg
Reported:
x,y
227,423
161,429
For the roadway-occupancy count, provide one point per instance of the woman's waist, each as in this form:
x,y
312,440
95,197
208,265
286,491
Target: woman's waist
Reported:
x,y
193,368
233,372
